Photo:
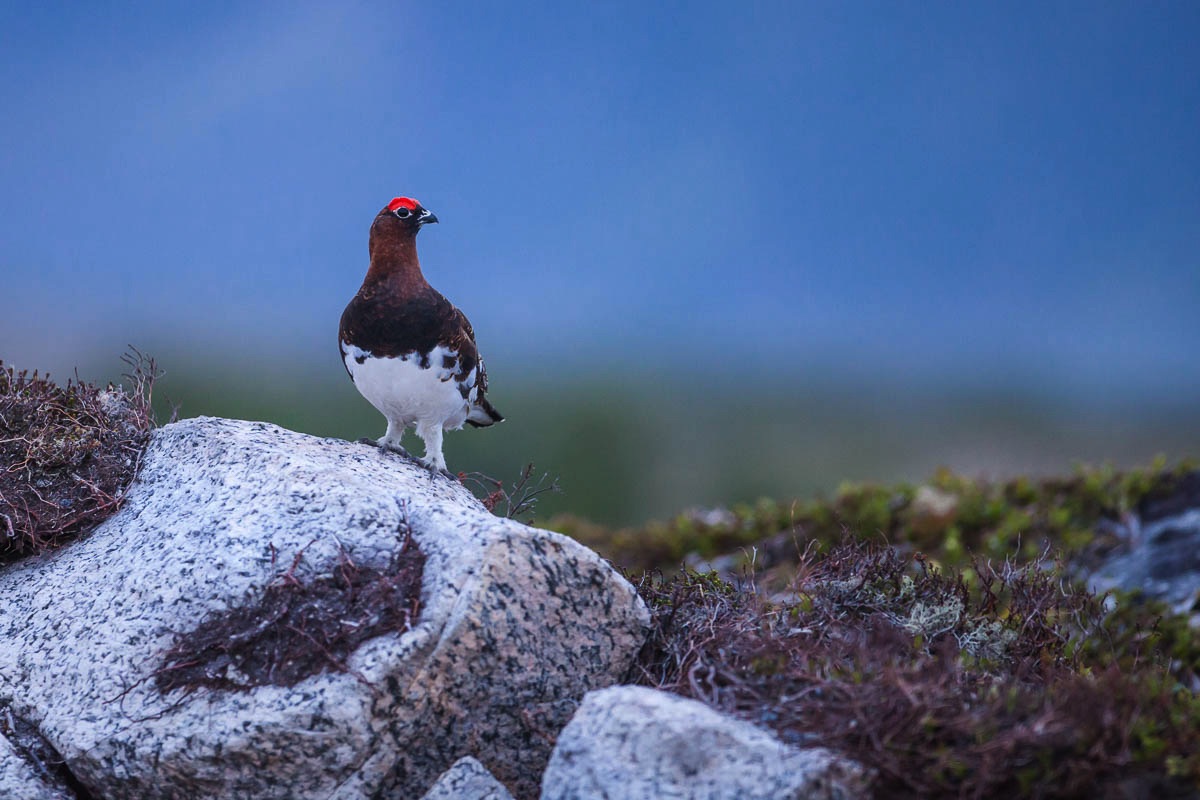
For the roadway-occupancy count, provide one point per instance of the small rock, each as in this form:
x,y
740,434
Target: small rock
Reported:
x,y
467,780
932,510
630,743
712,517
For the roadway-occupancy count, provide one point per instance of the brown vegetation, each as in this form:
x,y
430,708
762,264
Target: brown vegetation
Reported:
x,y
67,454
297,628
994,681
518,499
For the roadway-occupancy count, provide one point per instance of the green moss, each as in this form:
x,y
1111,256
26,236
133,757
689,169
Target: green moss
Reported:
x,y
995,519
1137,628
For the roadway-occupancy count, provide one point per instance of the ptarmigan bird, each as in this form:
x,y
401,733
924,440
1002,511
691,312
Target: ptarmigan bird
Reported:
x,y
409,351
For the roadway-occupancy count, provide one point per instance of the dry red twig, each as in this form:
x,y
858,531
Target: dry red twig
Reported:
x,y
515,501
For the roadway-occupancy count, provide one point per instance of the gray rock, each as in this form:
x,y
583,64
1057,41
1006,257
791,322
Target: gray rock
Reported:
x,y
1160,555
515,624
630,742
23,779
467,780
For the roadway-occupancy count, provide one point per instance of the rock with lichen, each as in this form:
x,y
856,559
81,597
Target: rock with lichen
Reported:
x,y
273,615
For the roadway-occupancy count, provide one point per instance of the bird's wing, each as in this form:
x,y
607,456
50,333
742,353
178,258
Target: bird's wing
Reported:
x,y
388,327
468,351
342,350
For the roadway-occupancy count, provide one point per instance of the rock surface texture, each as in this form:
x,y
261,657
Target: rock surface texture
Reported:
x,y
634,743
25,778
515,625
467,780
1161,552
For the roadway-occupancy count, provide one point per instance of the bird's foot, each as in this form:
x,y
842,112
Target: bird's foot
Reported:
x,y
387,446
437,469
397,449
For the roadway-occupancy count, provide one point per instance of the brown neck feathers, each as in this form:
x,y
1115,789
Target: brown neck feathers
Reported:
x,y
394,257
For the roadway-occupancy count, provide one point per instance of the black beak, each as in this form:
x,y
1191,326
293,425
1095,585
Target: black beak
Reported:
x,y
426,217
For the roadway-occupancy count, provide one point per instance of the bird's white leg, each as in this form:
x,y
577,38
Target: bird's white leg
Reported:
x,y
431,434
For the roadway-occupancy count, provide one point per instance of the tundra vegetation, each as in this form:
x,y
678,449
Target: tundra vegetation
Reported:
x,y
67,453
940,634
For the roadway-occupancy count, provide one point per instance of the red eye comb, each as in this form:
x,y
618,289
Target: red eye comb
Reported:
x,y
405,202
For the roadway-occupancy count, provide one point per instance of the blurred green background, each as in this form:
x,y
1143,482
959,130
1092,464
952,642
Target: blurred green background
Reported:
x,y
629,446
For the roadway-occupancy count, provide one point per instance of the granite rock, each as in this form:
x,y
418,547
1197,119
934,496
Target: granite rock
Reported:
x,y
24,778
516,624
467,780
634,743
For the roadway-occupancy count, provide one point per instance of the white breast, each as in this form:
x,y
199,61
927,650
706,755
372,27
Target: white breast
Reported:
x,y
407,393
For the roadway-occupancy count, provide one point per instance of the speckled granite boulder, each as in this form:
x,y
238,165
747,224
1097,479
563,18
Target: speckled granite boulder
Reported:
x,y
21,778
516,624
467,780
633,743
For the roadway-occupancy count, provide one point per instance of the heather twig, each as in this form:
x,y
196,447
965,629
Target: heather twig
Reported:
x,y
517,500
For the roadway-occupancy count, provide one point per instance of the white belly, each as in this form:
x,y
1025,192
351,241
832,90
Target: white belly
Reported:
x,y
406,393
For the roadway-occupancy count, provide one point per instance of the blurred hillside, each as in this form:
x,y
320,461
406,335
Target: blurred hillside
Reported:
x,y
709,255
628,446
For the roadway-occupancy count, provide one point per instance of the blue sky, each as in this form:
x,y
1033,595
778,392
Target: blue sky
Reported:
x,y
949,191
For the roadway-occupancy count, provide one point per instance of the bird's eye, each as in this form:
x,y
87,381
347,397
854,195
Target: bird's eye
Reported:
x,y
403,213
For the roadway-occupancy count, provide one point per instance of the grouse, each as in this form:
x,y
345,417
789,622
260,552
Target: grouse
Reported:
x,y
407,349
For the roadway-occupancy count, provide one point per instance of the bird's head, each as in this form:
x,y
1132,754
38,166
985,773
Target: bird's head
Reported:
x,y
403,214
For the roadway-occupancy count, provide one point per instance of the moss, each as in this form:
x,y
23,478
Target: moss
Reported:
x,y
1136,628
1021,516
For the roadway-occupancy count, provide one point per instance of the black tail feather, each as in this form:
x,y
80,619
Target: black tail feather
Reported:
x,y
483,414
